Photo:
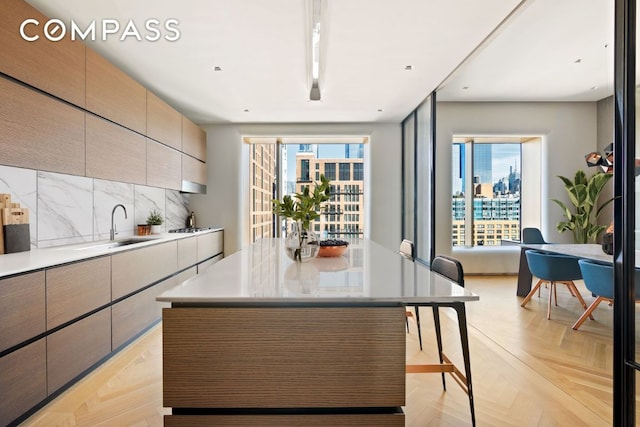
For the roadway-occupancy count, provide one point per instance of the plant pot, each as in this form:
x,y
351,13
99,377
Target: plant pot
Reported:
x,y
301,245
156,229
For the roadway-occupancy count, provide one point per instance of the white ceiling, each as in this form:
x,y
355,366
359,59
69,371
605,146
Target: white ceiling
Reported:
x,y
262,48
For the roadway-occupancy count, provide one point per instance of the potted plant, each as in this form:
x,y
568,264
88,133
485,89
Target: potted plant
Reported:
x,y
155,220
302,243
583,194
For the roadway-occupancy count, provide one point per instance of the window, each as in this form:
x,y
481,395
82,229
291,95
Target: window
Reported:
x,y
330,171
358,174
485,190
345,171
304,170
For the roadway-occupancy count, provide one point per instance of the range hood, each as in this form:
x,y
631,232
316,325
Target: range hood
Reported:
x,y
193,187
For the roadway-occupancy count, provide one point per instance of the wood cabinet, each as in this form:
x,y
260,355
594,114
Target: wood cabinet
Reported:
x,y
23,380
22,305
114,95
76,289
187,252
263,420
210,244
55,67
39,132
138,268
164,124
194,170
115,153
194,140
163,166
77,347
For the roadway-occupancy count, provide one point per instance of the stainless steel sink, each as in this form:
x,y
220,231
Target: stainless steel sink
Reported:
x,y
115,243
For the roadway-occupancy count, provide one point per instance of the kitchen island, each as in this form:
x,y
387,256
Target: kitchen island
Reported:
x,y
257,339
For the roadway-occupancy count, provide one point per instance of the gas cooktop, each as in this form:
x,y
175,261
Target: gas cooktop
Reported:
x,y
190,229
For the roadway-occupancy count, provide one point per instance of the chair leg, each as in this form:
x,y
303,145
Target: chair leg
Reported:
x,y
531,293
436,324
552,288
407,320
587,313
574,290
464,338
555,294
418,324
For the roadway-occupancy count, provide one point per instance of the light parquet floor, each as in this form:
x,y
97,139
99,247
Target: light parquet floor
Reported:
x,y
527,370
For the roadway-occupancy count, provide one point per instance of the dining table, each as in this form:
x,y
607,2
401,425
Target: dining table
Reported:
x,y
262,338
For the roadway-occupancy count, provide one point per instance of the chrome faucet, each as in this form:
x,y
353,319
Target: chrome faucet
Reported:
x,y
113,227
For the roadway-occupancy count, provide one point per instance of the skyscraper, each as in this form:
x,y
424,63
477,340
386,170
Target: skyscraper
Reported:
x,y
482,160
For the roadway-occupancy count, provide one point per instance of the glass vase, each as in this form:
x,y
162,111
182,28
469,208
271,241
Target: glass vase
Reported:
x,y
301,244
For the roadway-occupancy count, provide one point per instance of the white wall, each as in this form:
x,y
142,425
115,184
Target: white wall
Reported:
x,y
568,130
227,158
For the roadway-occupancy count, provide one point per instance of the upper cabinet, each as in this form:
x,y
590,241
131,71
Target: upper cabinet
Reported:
x,y
194,140
55,67
164,124
40,132
114,95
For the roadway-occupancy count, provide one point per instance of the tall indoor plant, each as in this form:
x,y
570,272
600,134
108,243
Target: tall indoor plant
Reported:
x,y
582,218
302,208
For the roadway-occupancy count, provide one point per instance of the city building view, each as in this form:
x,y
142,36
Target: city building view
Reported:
x,y
494,213
301,165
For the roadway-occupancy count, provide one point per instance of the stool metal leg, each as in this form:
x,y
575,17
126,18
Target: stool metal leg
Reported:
x,y
462,324
418,324
436,324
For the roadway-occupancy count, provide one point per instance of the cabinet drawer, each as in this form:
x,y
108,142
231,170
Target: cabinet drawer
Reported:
x,y
262,420
72,350
136,269
187,252
22,304
209,244
137,312
23,380
76,289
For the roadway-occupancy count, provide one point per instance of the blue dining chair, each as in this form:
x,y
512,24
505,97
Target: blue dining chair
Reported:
x,y
598,278
553,268
532,236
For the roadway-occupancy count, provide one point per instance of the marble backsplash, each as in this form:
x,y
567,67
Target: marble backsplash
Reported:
x,y
66,209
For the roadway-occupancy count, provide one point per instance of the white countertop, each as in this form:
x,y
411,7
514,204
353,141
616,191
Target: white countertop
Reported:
x,y
368,274
35,259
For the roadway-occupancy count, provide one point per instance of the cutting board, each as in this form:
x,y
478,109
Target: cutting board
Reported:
x,y
15,226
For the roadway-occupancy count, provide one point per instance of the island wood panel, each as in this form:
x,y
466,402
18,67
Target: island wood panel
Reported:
x,y
194,140
132,315
187,252
164,166
284,357
115,153
209,244
76,289
57,68
364,420
114,95
22,304
194,170
164,124
40,132
23,380
136,269
77,347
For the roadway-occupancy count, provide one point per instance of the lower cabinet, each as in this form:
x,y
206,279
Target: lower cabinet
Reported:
x,y
74,349
79,313
23,380
380,420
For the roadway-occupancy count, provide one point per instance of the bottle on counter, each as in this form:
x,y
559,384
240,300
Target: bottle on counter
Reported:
x,y
191,220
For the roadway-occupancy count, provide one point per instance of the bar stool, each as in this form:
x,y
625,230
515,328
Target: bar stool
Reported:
x,y
553,268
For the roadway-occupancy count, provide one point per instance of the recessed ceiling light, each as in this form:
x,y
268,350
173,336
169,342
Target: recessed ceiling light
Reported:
x,y
246,110
379,110
465,87
577,61
216,68
594,87
409,67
